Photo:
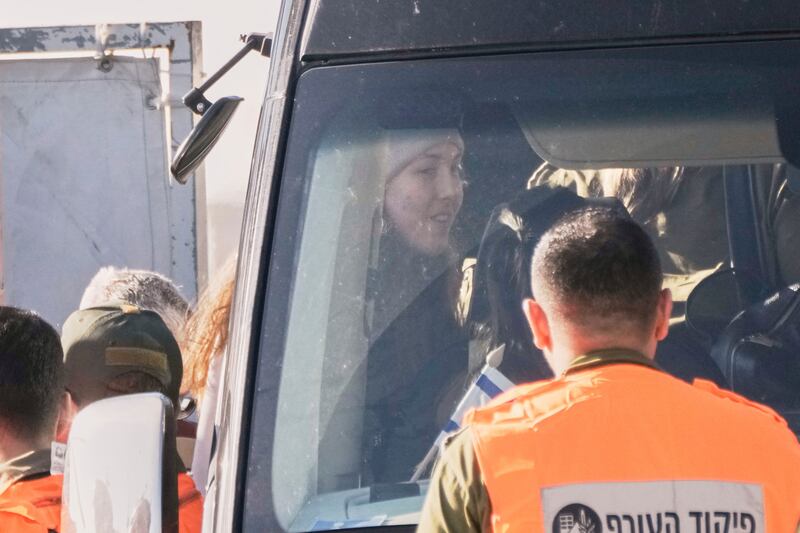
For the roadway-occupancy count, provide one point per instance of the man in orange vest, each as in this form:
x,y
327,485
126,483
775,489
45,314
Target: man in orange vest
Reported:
x,y
122,349
612,444
31,399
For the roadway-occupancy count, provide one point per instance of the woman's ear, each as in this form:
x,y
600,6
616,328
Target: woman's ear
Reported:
x,y
537,321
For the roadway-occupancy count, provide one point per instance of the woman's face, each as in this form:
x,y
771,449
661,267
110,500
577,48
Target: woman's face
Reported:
x,y
423,199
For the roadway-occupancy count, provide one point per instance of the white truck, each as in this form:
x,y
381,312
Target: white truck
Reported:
x,y
87,127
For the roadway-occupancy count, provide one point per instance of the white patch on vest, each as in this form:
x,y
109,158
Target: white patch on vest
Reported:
x,y
654,507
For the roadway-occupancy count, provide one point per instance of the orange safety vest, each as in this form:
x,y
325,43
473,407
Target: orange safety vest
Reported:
x,y
35,505
32,505
626,448
190,505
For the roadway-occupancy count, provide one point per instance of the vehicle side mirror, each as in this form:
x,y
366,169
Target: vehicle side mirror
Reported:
x,y
120,471
203,137
216,116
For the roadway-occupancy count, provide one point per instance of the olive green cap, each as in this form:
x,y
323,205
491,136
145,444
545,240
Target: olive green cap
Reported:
x,y
101,343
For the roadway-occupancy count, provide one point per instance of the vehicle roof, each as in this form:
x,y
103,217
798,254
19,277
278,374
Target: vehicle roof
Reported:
x,y
348,28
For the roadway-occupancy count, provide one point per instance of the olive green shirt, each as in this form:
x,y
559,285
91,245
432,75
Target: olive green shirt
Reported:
x,y
457,499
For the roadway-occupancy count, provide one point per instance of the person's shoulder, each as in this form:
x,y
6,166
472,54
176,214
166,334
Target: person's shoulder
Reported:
x,y
32,505
526,390
458,450
744,404
505,406
23,516
725,394
41,491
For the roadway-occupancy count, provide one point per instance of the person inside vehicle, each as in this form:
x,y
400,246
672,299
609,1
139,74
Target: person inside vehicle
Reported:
x,y
116,350
500,286
32,399
418,348
683,209
612,435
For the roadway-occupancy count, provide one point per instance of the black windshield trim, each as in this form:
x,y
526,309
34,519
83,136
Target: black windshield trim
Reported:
x,y
347,27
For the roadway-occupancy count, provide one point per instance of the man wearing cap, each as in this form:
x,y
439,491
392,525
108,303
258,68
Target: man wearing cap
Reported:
x,y
612,443
115,350
31,400
154,292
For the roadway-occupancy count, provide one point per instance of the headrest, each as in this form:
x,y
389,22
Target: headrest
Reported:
x,y
511,235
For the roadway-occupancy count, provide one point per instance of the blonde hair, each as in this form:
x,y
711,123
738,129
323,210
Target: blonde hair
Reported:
x,y
206,333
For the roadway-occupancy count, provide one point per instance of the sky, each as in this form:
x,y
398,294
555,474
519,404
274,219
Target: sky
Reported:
x,y
228,165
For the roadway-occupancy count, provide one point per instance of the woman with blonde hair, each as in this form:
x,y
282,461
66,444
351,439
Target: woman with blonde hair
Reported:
x,y
418,350
203,343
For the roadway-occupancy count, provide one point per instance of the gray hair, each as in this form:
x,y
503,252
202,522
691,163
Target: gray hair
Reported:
x,y
143,288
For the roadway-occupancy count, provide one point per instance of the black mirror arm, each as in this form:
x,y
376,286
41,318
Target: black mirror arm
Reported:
x,y
196,100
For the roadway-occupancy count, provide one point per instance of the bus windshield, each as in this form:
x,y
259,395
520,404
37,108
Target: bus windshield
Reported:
x,y
411,198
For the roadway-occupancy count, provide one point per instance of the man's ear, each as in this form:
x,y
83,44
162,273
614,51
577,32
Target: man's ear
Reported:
x,y
67,409
537,321
663,314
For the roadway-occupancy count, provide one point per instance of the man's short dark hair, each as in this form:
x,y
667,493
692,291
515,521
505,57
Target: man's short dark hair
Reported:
x,y
31,373
600,268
